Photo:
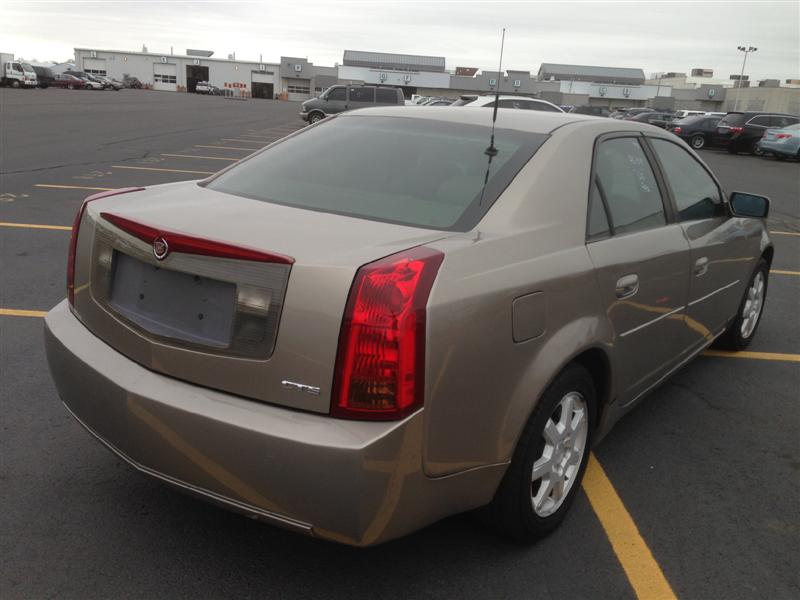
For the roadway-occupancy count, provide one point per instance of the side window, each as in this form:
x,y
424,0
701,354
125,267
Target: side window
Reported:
x,y
696,193
760,121
630,188
508,104
385,96
337,94
597,226
362,94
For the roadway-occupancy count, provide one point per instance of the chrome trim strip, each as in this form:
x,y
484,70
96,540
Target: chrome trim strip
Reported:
x,y
656,320
707,296
274,518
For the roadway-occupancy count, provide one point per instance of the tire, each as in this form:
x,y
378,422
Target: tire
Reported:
x,y
755,150
15,84
521,509
697,141
315,117
743,328
70,87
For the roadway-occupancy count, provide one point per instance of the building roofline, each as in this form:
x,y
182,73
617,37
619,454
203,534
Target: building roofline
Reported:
x,y
210,58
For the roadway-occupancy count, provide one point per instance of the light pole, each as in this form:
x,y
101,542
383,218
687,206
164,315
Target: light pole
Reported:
x,y
746,50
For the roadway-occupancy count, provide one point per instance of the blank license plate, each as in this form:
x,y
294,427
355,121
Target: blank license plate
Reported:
x,y
172,304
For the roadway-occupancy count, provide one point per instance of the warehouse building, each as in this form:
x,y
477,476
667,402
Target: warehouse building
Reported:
x,y
180,73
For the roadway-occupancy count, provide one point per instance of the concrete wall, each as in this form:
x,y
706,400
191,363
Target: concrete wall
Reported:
x,y
418,79
783,100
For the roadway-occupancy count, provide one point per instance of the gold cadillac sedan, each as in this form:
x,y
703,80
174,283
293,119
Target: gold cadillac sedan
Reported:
x,y
397,315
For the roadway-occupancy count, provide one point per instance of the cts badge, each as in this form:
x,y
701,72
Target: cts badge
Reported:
x,y
160,248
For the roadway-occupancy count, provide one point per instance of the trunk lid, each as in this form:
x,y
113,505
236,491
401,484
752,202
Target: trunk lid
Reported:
x,y
234,321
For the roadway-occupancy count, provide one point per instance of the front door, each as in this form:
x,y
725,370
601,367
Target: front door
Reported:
x,y
642,261
723,253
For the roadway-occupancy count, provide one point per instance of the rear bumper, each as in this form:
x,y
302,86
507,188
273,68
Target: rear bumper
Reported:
x,y
789,148
358,483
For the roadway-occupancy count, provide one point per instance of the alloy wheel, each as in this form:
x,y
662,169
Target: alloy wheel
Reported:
x,y
698,142
753,305
556,470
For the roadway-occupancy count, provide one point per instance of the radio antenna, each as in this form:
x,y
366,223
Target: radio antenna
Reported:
x,y
491,151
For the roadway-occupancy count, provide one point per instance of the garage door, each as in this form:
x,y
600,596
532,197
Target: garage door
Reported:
x,y
97,66
165,77
299,89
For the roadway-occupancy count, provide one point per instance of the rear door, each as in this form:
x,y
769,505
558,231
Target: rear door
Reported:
x,y
722,252
642,261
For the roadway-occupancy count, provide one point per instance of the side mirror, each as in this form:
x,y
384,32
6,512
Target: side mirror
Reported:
x,y
749,205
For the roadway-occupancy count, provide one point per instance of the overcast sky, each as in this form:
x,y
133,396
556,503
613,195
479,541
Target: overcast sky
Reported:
x,y
656,36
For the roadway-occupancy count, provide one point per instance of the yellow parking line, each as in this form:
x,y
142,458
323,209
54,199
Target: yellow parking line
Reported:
x,y
163,170
12,312
782,272
204,157
33,226
642,570
226,148
70,187
754,355
784,233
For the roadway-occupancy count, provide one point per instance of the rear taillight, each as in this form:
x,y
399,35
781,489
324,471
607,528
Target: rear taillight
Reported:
x,y
73,242
380,364
783,136
736,129
677,130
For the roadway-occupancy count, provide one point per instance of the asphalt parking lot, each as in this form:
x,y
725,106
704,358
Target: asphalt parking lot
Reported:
x,y
695,494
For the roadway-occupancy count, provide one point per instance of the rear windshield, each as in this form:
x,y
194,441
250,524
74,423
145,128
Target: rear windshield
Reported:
x,y
414,172
732,119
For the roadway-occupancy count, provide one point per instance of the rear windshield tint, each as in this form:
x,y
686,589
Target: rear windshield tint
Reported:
x,y
409,171
732,119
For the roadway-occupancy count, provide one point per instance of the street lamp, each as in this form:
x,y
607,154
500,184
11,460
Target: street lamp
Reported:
x,y
746,50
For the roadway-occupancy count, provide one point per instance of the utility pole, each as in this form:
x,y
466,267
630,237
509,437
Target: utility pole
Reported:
x,y
746,51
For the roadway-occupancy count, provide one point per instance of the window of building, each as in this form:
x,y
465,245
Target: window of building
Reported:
x,y
96,71
298,89
631,192
159,78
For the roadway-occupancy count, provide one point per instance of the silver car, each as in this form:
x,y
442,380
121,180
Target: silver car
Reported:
x,y
393,316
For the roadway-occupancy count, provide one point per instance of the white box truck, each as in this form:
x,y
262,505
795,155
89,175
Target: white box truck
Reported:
x,y
15,73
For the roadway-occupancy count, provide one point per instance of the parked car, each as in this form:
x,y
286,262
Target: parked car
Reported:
x,y
131,82
632,112
781,143
741,131
438,102
18,75
90,81
341,98
203,87
422,368
695,131
595,111
688,113
110,83
519,102
44,77
70,82
465,99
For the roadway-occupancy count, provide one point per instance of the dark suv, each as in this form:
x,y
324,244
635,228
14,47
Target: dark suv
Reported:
x,y
339,98
741,131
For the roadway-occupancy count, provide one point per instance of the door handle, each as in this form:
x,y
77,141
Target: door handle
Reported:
x,y
701,266
627,285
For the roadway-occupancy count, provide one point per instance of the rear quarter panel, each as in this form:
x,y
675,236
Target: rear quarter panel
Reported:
x,y
481,385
